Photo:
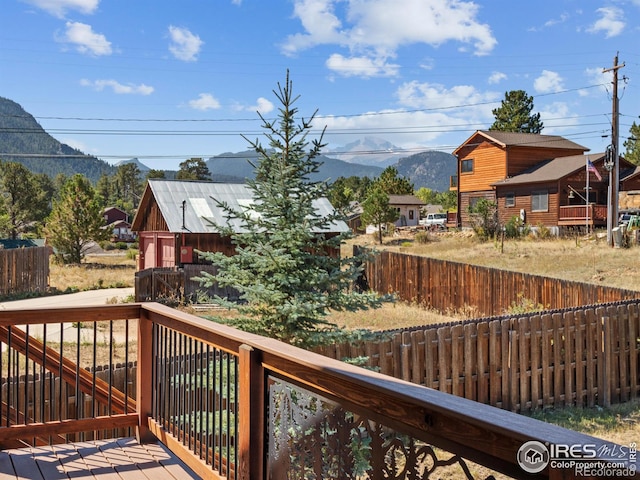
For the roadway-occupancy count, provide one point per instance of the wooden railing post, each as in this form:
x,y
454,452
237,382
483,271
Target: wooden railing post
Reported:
x,y
251,434
143,377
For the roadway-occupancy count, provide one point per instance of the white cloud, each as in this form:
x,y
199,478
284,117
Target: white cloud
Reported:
x,y
428,113
596,76
263,106
205,101
361,66
59,8
557,118
85,39
432,95
611,22
118,87
496,77
547,82
377,28
184,44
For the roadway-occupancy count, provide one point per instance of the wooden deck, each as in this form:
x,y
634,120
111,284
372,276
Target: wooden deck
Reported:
x,y
113,459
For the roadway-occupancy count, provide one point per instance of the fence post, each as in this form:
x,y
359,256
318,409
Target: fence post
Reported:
x,y
251,433
605,382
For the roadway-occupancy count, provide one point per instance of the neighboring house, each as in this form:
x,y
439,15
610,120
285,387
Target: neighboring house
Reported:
x,y
408,208
114,214
541,178
117,220
175,218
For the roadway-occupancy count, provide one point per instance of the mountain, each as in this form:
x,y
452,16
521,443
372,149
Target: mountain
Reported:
x,y
141,166
368,151
430,169
24,141
235,167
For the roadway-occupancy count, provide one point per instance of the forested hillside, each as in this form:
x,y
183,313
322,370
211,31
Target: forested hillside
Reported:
x,y
23,140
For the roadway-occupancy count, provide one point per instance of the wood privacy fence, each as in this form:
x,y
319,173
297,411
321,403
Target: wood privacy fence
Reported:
x,y
452,286
581,356
24,270
176,284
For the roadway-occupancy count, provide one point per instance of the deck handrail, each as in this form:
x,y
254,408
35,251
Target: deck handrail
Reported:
x,y
477,432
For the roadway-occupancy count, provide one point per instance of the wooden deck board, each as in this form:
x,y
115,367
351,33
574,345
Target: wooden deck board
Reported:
x,y
116,459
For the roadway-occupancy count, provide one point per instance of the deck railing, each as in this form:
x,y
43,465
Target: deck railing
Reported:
x,y
237,405
581,215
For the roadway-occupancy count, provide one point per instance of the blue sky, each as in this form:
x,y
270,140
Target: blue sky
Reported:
x,y
166,80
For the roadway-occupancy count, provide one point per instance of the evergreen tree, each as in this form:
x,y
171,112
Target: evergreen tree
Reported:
x,y
128,183
376,210
153,173
22,202
514,114
392,183
193,169
76,220
632,144
348,189
285,268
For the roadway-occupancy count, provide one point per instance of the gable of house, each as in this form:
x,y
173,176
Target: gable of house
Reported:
x,y
490,156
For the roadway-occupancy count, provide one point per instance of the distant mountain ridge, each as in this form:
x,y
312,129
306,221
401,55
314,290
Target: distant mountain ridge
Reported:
x,y
431,169
24,141
236,165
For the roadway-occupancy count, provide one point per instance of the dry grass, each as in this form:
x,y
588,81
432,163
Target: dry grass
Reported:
x,y
579,259
97,271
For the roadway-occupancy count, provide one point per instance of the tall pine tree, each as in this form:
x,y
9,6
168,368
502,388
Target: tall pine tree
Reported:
x,y
76,220
514,114
286,266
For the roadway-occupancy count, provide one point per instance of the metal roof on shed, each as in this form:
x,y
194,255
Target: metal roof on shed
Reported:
x,y
192,206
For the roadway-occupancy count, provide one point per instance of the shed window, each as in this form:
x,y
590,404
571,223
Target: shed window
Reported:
x,y
466,166
540,201
411,214
510,200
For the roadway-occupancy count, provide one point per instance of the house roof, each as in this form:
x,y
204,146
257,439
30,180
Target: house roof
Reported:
x,y
404,200
509,139
22,243
192,206
555,169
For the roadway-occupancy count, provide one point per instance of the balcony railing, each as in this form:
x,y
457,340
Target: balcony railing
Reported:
x,y
236,405
583,214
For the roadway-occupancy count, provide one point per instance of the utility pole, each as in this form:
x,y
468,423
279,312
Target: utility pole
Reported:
x,y
614,173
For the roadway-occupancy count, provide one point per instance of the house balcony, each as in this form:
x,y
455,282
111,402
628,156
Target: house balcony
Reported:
x,y
581,215
224,404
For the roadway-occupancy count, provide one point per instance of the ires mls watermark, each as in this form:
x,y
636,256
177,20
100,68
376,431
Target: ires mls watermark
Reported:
x,y
585,460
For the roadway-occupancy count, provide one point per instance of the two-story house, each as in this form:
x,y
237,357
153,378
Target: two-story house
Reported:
x,y
545,179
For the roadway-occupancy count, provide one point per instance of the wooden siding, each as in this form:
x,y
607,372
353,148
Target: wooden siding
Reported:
x,y
153,221
523,195
520,159
489,166
465,200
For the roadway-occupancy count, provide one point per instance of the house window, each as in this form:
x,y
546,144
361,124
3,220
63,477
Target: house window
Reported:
x,y
473,201
466,166
411,214
510,200
540,201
